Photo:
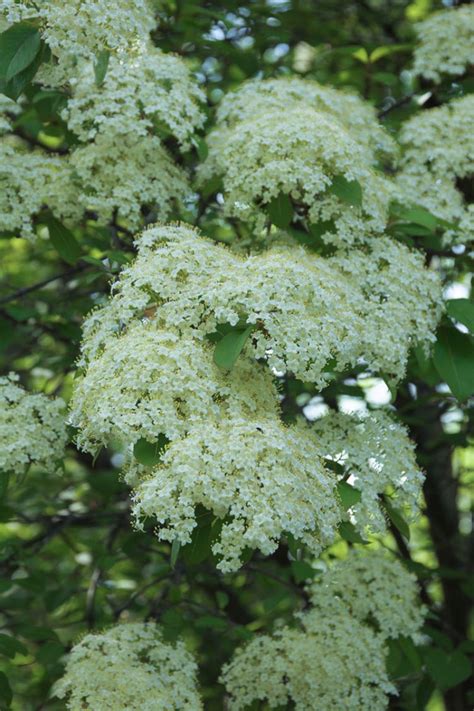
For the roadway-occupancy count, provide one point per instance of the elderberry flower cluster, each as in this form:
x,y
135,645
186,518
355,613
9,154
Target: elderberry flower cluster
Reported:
x,y
327,662
376,457
141,94
260,478
84,28
32,428
438,163
446,43
302,153
377,590
129,667
151,381
305,310
30,180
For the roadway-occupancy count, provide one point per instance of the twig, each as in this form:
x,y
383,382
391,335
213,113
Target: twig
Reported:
x,y
39,285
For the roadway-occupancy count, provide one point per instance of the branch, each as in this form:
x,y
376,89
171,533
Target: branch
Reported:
x,y
39,285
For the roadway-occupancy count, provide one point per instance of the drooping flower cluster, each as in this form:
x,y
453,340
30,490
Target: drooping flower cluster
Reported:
x,y
149,371
376,589
446,43
335,656
120,163
32,428
261,478
306,310
438,163
303,151
329,662
377,457
129,668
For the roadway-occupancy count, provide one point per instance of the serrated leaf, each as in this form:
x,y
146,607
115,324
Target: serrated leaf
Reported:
x,y
9,646
453,357
19,46
280,211
175,547
63,241
101,66
396,517
447,670
228,349
349,191
149,453
349,533
462,310
19,82
348,494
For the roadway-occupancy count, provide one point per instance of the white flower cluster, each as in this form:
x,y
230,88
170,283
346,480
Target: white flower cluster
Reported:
x,y
83,28
120,164
257,96
306,310
377,457
32,428
446,43
123,173
298,141
329,662
376,589
129,668
140,94
30,180
151,381
439,153
260,478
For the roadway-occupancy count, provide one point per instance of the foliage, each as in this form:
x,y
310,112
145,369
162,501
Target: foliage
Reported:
x,y
220,222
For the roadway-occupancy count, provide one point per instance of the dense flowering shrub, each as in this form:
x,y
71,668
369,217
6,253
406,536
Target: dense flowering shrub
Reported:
x,y
446,43
127,667
32,428
183,366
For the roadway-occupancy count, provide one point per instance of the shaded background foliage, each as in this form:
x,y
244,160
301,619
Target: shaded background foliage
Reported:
x,y
70,560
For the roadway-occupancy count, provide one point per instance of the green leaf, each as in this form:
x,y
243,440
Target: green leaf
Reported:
x,y
396,518
348,494
280,211
349,191
63,241
50,652
349,533
6,694
19,82
421,216
302,571
149,453
447,670
19,46
228,349
462,310
9,646
175,546
453,358
101,66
